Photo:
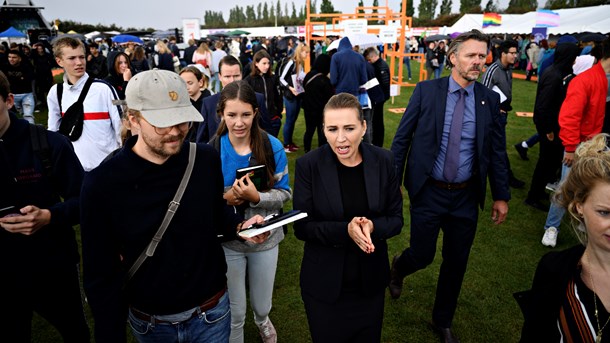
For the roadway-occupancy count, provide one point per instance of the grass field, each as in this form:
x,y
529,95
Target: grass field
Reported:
x,y
502,260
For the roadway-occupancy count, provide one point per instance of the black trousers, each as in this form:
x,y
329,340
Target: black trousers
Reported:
x,y
378,126
53,292
353,318
313,122
456,213
547,168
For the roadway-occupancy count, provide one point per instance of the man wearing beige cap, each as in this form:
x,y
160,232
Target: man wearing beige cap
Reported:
x,y
179,290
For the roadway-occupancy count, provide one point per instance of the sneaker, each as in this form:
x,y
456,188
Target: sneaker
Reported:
x,y
293,148
287,148
267,331
522,151
550,237
552,186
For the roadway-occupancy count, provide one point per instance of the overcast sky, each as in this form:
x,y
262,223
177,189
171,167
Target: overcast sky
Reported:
x,y
165,14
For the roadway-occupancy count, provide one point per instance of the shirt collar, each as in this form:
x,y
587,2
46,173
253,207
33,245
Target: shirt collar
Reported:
x,y
454,86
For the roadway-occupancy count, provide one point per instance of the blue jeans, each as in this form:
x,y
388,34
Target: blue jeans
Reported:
x,y
24,103
556,212
407,61
210,326
215,83
438,71
292,113
257,269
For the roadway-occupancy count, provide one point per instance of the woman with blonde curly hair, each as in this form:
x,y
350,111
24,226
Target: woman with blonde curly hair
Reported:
x,y
570,295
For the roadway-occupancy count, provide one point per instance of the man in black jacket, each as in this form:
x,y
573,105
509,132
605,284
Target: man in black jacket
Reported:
x,y
38,251
382,73
97,64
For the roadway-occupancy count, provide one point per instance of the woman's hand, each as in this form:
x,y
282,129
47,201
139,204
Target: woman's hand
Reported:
x,y
232,198
360,229
257,219
245,190
293,90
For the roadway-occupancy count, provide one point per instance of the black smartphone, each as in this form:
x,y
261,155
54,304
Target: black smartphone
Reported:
x,y
10,210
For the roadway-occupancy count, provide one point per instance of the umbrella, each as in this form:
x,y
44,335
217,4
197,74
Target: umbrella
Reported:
x,y
123,39
238,33
282,44
455,34
592,37
363,40
12,33
435,38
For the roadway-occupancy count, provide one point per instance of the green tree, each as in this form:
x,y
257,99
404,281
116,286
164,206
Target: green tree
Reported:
x,y
427,8
286,13
250,15
446,7
266,12
272,14
313,8
361,4
521,6
491,7
410,8
471,6
259,11
327,7
278,10
294,12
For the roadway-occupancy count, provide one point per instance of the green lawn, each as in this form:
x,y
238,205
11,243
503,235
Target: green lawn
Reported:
x,y
502,260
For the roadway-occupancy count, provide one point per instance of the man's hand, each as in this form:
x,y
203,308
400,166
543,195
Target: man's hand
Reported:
x,y
499,211
31,220
568,158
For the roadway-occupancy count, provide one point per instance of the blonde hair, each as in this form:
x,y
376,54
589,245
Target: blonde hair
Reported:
x,y
299,62
591,166
162,47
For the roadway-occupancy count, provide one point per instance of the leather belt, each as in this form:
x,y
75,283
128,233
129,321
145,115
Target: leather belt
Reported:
x,y
448,185
207,305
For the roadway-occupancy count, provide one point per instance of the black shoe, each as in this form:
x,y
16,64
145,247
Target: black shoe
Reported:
x,y
522,151
395,280
516,183
446,334
537,204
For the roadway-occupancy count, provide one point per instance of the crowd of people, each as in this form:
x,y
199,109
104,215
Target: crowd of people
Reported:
x,y
143,150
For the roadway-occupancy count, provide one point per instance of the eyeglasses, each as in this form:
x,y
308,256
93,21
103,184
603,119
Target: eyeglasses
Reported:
x,y
165,130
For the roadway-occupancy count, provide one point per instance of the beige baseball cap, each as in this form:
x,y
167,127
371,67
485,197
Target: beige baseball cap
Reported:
x,y
161,97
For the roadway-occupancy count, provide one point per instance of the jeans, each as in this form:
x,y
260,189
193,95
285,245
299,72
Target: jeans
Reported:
x,y
292,113
209,326
215,86
535,138
407,61
260,268
24,103
556,212
438,71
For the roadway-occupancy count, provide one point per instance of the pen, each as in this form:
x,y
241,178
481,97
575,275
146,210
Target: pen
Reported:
x,y
257,225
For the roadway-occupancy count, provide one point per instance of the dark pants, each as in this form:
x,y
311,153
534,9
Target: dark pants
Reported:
x,y
313,122
54,293
547,168
353,318
378,126
456,213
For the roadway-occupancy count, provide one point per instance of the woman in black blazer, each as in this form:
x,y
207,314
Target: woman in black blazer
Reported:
x,y
351,194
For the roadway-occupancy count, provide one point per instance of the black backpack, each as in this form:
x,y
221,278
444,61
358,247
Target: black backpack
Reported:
x,y
73,119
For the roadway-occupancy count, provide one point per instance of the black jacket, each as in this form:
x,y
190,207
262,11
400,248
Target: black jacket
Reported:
x,y
98,66
267,86
115,79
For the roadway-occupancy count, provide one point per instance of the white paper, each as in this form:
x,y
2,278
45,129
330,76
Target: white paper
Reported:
x,y
253,232
502,96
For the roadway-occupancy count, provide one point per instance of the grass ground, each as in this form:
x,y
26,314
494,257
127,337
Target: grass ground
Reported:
x,y
502,260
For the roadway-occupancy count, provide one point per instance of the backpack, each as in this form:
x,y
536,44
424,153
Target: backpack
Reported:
x,y
73,119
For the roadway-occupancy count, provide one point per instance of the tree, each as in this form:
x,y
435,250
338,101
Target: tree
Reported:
x,y
266,12
361,4
278,10
521,6
294,12
250,15
472,6
491,7
427,8
272,14
446,7
286,15
375,12
259,11
327,7
313,8
410,8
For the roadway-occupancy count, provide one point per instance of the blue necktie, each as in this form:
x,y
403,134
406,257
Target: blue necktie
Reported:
x,y
452,158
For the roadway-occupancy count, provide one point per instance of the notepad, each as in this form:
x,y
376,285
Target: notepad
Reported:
x,y
273,222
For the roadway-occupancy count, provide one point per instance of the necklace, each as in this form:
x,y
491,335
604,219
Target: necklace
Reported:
x,y
599,330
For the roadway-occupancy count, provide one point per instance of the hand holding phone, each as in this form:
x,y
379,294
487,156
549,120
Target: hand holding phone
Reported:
x,y
10,211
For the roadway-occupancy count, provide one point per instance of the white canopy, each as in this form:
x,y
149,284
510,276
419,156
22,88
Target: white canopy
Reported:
x,y
571,20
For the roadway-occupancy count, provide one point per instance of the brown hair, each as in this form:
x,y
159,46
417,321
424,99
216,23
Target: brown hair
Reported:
x,y
63,42
257,58
345,100
242,91
591,166
195,71
5,87
457,42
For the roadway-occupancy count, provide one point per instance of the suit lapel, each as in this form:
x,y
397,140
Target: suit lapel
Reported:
x,y
440,106
481,109
330,179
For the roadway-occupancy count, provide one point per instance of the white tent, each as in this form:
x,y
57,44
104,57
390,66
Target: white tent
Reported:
x,y
571,20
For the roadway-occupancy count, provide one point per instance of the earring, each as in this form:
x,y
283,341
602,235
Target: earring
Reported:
x,y
581,227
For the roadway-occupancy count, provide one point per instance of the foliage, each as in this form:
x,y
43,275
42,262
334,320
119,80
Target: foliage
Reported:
x,y
426,9
471,6
68,25
410,8
557,4
446,7
213,19
521,6
491,7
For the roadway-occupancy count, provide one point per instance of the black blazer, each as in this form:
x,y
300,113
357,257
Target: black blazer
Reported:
x,y
418,139
317,192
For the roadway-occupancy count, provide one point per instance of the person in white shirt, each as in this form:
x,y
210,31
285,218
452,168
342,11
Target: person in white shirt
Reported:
x,y
102,118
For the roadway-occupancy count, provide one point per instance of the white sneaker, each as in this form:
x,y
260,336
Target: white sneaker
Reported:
x,y
550,237
267,331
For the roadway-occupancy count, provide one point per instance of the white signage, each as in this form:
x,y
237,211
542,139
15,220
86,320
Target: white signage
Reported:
x,y
354,26
394,90
191,29
388,34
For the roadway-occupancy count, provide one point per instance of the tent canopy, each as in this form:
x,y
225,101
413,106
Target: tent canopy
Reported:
x,y
12,33
571,20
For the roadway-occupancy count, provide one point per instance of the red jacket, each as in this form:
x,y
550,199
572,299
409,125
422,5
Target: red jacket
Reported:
x,y
582,112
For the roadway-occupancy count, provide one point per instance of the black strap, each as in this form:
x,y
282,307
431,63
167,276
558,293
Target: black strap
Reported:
x,y
40,146
81,98
60,93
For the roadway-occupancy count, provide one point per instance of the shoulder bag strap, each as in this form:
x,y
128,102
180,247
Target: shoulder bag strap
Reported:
x,y
308,81
85,90
171,210
60,93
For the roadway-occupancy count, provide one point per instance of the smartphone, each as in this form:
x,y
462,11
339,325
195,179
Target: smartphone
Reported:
x,y
9,211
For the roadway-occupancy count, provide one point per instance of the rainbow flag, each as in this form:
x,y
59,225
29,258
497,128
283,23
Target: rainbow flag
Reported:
x,y
491,19
547,18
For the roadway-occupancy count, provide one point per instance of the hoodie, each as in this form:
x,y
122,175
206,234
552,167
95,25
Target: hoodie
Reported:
x,y
116,79
318,89
347,69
